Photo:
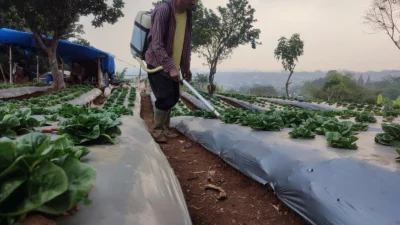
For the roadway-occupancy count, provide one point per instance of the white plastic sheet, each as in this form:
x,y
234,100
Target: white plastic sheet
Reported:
x,y
135,183
18,92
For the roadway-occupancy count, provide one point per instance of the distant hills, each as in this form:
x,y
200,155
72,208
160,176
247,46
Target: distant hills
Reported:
x,y
236,80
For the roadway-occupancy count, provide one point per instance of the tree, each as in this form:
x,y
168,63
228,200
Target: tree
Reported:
x,y
121,75
334,86
263,91
288,51
10,19
81,41
383,16
201,80
59,20
397,102
220,34
368,84
380,99
361,81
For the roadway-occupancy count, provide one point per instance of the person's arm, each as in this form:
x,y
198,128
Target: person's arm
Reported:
x,y
157,45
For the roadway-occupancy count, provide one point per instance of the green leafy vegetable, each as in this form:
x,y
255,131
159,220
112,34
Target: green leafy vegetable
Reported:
x,y
202,113
344,128
347,114
80,180
234,116
69,110
391,137
337,140
37,172
365,117
120,110
267,122
360,127
98,128
302,131
14,121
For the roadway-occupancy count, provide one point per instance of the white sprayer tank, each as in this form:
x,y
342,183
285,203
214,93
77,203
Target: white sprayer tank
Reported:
x,y
140,31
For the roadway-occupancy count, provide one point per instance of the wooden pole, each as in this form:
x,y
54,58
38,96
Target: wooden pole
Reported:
x,y
37,68
105,78
100,74
2,72
11,67
62,67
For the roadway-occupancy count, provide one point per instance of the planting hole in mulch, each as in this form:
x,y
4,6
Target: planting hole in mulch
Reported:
x,y
197,169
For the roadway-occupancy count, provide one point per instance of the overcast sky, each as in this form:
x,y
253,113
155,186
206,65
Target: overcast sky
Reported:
x,y
333,31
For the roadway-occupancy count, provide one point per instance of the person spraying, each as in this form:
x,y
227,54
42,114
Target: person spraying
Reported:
x,y
169,46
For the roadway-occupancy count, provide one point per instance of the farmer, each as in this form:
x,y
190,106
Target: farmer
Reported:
x,y
169,46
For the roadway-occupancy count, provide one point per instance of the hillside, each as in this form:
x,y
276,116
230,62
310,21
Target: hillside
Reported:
x,y
235,80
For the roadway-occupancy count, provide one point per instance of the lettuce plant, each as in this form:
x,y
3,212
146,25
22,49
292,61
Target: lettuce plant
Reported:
x,y
337,140
302,132
365,117
14,121
391,137
267,122
38,174
96,128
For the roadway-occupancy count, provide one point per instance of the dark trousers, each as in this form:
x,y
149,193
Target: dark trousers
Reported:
x,y
165,90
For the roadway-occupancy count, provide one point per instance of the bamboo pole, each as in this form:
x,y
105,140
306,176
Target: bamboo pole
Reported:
x,y
2,72
62,67
105,79
11,67
37,68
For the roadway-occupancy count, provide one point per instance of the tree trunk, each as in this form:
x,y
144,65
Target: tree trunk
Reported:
x,y
51,50
211,87
288,83
330,96
57,76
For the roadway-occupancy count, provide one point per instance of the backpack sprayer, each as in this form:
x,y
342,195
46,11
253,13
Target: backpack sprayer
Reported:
x,y
139,46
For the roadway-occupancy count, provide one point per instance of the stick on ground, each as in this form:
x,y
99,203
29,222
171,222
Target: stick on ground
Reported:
x,y
222,193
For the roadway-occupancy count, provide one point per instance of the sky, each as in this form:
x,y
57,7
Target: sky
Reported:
x,y
333,32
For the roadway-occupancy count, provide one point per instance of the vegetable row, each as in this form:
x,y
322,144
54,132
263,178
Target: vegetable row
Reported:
x,y
386,108
40,173
116,102
7,86
306,124
38,105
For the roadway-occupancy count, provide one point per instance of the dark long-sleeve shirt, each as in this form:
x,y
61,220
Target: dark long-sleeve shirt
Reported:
x,y
161,38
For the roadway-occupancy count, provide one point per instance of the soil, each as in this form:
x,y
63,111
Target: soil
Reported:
x,y
37,220
247,202
99,101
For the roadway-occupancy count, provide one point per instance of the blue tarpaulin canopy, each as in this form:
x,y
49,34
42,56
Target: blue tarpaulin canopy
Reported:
x,y
68,51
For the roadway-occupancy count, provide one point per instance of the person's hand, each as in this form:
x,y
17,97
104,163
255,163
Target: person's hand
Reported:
x,y
188,76
175,75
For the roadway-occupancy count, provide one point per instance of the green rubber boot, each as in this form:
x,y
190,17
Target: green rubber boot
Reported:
x,y
168,133
160,117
